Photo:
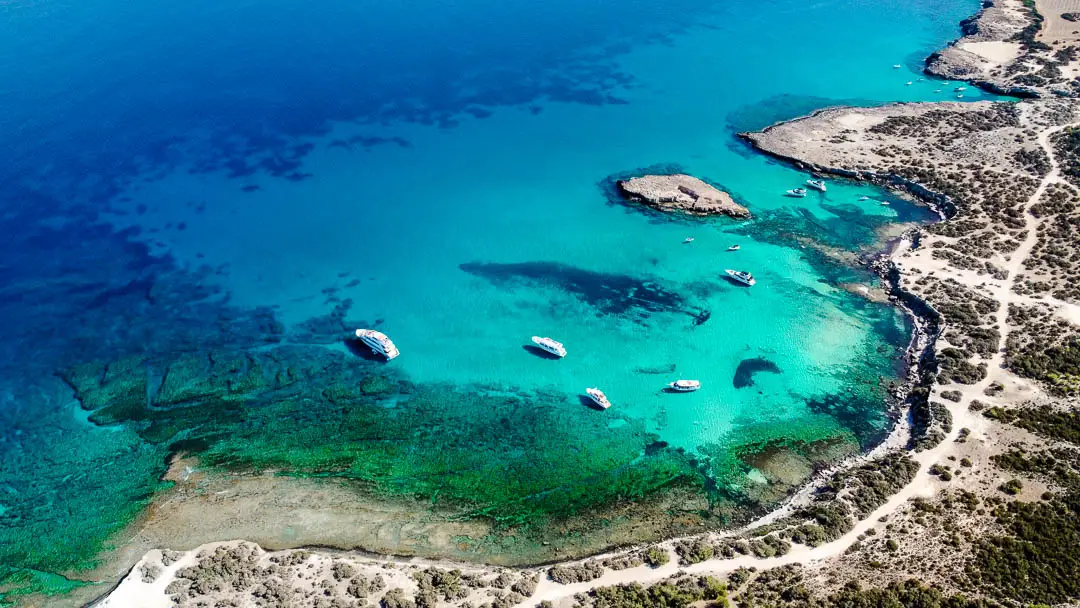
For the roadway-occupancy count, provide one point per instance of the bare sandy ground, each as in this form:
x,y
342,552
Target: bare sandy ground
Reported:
x,y
1056,28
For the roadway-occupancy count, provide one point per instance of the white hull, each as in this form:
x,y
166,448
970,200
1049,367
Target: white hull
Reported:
x,y
378,343
549,346
749,281
797,193
816,185
685,386
598,397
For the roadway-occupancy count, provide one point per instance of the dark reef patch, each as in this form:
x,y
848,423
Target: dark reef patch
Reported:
x,y
608,293
744,373
289,102
859,410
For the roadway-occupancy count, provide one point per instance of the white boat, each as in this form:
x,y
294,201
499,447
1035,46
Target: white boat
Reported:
x,y
897,66
733,248
961,89
688,239
816,184
864,198
909,83
796,192
685,386
549,345
378,343
742,277
959,95
884,203
598,397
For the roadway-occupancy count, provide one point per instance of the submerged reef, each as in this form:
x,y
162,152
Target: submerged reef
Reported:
x,y
607,293
313,411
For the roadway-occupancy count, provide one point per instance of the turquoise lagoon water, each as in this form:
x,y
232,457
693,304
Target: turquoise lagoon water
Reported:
x,y
180,179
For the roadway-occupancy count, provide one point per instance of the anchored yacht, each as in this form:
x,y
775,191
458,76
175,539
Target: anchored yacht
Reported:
x,y
734,248
549,345
685,386
816,184
742,277
378,343
598,397
688,239
796,192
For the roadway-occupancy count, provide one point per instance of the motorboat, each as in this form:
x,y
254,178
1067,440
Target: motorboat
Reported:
x,y
378,343
816,184
685,386
796,192
598,397
884,203
897,66
550,346
909,83
734,248
688,239
740,276
961,89
864,198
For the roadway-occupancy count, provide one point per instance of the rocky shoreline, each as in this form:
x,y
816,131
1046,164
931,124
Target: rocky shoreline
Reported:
x,y
1001,52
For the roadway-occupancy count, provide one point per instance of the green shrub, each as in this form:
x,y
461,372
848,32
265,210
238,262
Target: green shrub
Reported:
x,y
692,552
1012,487
656,557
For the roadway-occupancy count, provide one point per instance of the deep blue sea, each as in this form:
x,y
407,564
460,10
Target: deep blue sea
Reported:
x,y
441,171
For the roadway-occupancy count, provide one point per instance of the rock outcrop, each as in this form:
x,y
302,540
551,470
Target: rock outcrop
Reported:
x,y
683,194
1010,48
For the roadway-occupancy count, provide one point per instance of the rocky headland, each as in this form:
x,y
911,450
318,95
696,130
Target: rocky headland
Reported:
x,y
1016,47
681,193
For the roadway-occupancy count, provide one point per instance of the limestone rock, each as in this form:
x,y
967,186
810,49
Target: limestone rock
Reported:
x,y
681,193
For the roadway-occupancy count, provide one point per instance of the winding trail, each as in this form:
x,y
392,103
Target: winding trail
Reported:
x,y
1002,291
922,486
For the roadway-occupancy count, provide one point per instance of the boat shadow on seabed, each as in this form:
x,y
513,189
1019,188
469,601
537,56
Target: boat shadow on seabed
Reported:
x,y
539,352
363,351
